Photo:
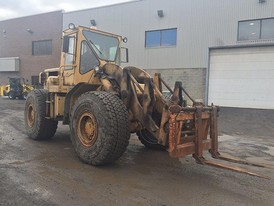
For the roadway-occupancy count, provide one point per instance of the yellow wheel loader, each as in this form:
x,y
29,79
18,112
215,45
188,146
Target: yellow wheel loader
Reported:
x,y
17,88
104,103
2,89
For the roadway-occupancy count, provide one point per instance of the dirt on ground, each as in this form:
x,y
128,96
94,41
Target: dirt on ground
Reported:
x,y
50,173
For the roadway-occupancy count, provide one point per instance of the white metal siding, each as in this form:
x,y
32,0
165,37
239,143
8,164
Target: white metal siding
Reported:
x,y
200,24
242,77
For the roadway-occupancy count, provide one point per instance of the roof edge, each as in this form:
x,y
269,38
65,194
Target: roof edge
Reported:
x,y
105,6
55,11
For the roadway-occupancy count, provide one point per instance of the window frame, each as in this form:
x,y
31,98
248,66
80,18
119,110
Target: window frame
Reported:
x,y
70,66
260,34
81,60
93,47
161,42
43,54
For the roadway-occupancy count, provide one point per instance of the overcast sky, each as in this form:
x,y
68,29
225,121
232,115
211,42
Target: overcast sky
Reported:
x,y
18,8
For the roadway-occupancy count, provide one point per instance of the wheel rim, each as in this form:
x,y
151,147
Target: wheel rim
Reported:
x,y
30,116
87,129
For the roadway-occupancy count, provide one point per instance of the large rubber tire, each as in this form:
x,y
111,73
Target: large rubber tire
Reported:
x,y
12,95
99,128
25,95
37,126
149,141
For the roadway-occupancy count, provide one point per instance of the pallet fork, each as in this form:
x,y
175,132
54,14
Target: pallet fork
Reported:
x,y
202,135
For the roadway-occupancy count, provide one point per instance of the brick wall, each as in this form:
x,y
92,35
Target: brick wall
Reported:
x,y
193,80
16,41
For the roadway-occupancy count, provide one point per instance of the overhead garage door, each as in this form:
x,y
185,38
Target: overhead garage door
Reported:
x,y
242,77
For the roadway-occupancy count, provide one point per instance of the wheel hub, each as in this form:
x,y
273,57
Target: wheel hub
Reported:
x,y
30,116
87,129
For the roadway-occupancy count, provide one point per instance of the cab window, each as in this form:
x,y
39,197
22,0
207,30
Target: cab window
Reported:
x,y
88,60
69,56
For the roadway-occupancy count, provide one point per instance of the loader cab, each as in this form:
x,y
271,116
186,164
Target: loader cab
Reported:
x,y
86,50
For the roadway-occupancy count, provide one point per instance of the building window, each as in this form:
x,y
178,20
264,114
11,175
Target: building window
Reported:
x,y
161,38
267,29
43,47
256,29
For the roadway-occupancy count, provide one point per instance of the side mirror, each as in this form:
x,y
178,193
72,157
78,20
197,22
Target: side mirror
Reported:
x,y
66,44
124,55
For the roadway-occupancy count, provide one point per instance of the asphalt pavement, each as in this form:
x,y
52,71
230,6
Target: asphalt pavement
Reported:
x,y
50,173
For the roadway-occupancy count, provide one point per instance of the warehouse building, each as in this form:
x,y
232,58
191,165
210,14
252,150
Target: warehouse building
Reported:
x,y
28,45
222,50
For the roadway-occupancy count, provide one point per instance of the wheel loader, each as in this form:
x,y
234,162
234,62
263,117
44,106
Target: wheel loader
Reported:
x,y
104,103
16,88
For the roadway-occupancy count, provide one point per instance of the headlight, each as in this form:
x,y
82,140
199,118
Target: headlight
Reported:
x,y
71,26
96,69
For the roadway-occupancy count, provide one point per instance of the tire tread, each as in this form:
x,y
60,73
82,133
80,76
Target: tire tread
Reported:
x,y
44,128
116,138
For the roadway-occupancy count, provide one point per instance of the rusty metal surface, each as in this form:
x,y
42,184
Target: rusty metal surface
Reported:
x,y
196,133
203,136
235,168
87,129
241,161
